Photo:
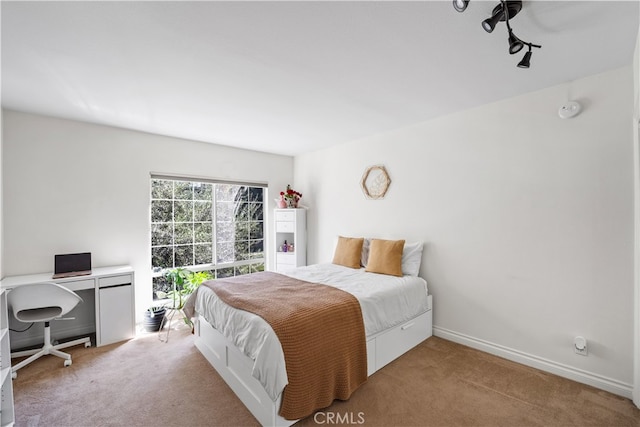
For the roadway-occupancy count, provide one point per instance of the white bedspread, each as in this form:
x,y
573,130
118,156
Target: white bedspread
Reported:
x,y
386,301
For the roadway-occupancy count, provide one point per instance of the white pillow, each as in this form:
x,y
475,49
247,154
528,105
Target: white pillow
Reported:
x,y
412,258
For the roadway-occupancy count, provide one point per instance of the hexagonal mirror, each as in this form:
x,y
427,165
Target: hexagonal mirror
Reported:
x,y
375,182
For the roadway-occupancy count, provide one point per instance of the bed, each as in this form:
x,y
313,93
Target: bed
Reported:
x,y
245,351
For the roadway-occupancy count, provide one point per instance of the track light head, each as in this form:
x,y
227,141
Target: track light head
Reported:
x,y
497,15
515,44
525,60
490,23
460,5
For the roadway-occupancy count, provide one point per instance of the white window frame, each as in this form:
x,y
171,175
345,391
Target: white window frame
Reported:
x,y
214,265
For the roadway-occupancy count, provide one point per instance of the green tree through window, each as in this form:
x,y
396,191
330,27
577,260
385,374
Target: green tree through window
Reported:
x,y
205,226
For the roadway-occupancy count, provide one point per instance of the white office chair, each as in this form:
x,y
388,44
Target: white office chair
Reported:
x,y
43,302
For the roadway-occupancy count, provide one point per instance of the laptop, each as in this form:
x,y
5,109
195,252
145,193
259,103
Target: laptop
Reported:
x,y
70,265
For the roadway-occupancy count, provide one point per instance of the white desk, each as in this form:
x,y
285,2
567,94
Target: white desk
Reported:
x,y
113,288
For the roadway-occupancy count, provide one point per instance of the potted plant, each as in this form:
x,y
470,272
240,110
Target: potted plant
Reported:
x,y
177,277
185,282
195,279
153,318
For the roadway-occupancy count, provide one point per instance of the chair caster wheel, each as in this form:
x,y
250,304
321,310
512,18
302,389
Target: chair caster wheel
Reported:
x,y
67,363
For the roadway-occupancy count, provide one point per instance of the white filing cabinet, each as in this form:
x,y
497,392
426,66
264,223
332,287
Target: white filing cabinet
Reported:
x,y
117,312
290,226
7,414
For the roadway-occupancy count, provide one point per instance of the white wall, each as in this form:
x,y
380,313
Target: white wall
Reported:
x,y
1,186
73,187
1,202
527,221
636,182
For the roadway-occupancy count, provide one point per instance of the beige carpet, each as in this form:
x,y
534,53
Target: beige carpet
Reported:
x,y
145,382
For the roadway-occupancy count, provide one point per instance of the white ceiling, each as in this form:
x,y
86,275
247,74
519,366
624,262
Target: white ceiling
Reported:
x,y
292,77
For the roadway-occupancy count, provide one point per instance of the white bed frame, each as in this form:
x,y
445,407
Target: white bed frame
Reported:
x,y
235,367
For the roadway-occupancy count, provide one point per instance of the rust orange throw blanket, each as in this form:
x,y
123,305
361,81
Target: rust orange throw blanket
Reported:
x,y
320,329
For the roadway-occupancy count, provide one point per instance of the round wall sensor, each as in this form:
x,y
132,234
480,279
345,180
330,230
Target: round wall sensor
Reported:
x,y
570,109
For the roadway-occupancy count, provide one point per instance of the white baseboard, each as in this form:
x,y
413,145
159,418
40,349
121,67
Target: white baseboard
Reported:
x,y
565,371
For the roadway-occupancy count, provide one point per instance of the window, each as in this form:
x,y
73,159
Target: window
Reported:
x,y
205,226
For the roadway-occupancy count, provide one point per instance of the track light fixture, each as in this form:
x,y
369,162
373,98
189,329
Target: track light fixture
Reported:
x,y
504,12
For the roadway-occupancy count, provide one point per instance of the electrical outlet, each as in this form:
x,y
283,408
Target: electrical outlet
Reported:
x,y
580,346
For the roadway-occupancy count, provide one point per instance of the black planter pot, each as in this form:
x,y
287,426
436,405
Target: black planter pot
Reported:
x,y
152,324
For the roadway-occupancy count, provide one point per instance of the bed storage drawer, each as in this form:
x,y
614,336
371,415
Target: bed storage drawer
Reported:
x,y
402,338
215,342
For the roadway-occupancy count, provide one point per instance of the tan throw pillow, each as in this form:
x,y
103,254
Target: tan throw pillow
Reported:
x,y
385,257
348,251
